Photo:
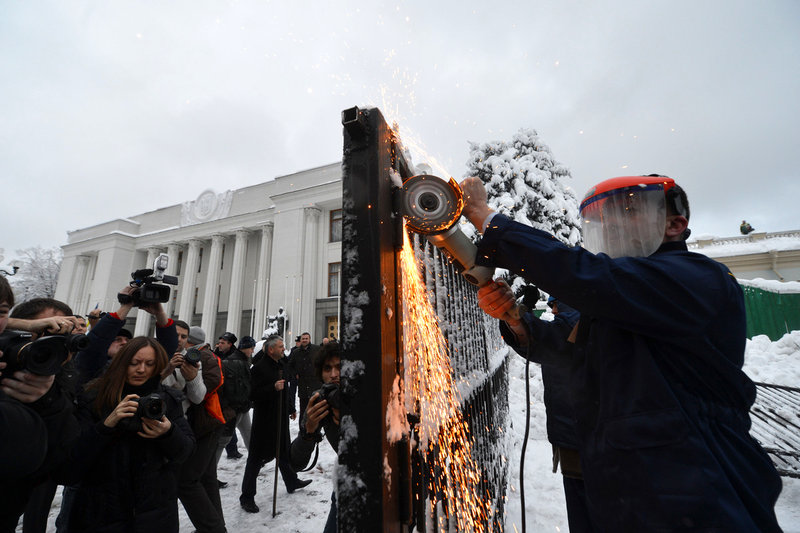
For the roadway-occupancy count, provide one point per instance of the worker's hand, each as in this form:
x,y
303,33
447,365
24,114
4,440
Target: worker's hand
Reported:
x,y
497,300
280,384
476,207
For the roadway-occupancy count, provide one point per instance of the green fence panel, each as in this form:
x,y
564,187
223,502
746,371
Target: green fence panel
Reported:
x,y
771,313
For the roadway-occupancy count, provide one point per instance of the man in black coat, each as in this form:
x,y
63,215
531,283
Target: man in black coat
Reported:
x,y
301,364
270,423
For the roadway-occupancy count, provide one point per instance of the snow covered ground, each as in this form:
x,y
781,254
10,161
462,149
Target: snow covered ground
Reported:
x,y
306,510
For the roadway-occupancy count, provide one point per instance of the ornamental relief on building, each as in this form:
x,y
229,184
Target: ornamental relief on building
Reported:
x,y
208,206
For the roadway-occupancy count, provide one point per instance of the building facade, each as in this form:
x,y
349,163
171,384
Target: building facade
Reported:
x,y
240,256
770,256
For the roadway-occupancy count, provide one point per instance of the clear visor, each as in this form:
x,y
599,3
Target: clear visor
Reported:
x,y
626,222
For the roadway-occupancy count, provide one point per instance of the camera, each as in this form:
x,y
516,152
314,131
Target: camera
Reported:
x,y
329,392
149,283
192,356
43,356
151,406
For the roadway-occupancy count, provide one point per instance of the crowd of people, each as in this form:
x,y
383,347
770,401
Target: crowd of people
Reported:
x,y
647,404
133,426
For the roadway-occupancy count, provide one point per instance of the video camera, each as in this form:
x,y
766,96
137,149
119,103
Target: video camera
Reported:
x,y
151,406
149,284
43,356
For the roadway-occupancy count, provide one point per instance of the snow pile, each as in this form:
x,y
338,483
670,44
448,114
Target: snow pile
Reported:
x,y
771,285
744,246
774,362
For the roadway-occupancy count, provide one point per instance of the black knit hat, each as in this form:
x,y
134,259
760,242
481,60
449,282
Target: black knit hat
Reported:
x,y
247,342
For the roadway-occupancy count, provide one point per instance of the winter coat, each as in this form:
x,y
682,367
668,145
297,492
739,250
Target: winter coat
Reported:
x,y
200,419
660,398
128,483
35,443
266,402
551,349
235,392
301,363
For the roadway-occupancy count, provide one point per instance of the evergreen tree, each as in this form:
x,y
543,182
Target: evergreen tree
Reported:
x,y
525,183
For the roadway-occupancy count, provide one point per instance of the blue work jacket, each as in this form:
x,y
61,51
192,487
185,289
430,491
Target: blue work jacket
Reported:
x,y
661,402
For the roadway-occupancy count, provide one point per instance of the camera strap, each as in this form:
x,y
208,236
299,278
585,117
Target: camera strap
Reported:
x,y
314,461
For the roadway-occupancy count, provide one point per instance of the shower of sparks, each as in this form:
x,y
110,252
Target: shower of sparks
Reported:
x,y
454,478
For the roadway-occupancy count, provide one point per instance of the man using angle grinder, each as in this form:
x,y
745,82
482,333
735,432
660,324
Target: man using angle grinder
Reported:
x,y
656,381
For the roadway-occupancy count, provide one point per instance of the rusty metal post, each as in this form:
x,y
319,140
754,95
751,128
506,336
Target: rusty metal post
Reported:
x,y
369,498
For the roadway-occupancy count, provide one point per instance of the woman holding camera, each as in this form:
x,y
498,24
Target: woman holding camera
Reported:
x,y
133,439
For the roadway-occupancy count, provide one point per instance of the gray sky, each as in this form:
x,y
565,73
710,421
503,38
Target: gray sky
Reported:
x,y
111,109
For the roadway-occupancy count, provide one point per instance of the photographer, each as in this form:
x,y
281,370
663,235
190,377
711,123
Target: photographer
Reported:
x,y
127,457
34,419
105,341
321,413
44,317
198,487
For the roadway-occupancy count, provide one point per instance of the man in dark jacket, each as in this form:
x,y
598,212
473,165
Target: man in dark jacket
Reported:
x,y
551,349
301,363
236,395
661,402
270,423
36,423
225,345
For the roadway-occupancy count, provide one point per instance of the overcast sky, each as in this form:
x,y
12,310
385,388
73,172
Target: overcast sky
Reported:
x,y
110,109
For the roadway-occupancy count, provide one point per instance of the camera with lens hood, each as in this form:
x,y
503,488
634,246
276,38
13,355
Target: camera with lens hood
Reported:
x,y
43,356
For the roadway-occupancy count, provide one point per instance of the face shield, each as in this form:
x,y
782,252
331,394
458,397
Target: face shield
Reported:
x,y
625,222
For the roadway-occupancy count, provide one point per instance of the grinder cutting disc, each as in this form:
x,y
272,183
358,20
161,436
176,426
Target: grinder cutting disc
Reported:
x,y
430,204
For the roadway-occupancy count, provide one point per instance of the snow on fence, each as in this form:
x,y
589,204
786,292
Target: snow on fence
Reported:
x,y
775,419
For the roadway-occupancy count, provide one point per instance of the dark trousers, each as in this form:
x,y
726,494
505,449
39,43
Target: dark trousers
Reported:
x,y
330,524
253,467
577,508
67,499
198,489
38,508
303,405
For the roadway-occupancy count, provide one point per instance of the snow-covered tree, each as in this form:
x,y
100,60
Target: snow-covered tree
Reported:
x,y
524,182
38,273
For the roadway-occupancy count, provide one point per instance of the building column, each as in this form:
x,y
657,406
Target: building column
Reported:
x,y
237,283
309,280
187,285
211,294
79,284
263,272
173,249
143,319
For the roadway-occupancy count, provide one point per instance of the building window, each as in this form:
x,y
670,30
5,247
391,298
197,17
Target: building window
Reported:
x,y
336,225
180,262
334,271
222,259
199,260
194,306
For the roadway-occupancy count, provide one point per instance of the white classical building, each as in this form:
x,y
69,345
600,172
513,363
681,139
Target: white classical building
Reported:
x,y
239,255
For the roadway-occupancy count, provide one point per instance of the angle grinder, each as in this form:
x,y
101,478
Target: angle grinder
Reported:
x,y
432,207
